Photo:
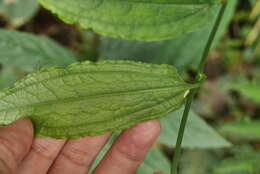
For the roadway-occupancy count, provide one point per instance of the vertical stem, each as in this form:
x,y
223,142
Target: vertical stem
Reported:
x,y
176,157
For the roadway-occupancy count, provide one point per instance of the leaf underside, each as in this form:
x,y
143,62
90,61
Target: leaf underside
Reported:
x,y
89,99
135,19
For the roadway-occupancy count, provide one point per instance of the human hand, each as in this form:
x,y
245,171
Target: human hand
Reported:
x,y
23,154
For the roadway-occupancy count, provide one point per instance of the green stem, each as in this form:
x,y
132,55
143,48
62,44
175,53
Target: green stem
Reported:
x,y
176,157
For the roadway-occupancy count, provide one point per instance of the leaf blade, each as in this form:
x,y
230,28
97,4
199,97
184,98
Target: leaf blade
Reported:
x,y
98,97
135,19
29,53
175,52
196,133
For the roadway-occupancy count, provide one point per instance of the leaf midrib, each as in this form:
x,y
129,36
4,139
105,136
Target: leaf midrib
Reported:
x,y
73,99
67,73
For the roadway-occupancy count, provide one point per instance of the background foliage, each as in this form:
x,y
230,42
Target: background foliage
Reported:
x,y
223,133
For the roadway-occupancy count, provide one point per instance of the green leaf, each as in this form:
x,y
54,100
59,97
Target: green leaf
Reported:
x,y
243,164
171,51
243,130
17,12
155,161
225,21
249,90
135,19
88,99
176,51
197,161
198,133
28,52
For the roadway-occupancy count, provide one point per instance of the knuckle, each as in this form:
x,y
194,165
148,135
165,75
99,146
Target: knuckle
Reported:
x,y
78,157
130,152
43,151
7,154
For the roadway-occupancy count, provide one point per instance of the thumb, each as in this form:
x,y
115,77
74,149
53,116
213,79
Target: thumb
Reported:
x,y
15,142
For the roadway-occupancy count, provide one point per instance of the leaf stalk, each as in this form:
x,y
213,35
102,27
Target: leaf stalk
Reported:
x,y
177,154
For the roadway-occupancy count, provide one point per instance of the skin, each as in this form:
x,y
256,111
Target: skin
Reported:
x,y
21,153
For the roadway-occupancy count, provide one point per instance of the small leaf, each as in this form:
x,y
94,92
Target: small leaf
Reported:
x,y
249,90
243,164
17,12
246,130
88,99
198,133
135,19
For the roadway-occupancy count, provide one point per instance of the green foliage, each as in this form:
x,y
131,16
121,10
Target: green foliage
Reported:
x,y
233,166
26,52
197,161
241,163
176,51
198,133
242,130
118,98
250,90
163,19
17,12
98,97
150,163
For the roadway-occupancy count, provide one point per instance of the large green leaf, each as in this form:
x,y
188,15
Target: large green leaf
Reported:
x,y
88,99
28,52
198,133
182,52
136,19
17,12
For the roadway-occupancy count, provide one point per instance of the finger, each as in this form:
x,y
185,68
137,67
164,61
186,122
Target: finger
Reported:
x,y
129,150
41,156
158,172
78,155
15,142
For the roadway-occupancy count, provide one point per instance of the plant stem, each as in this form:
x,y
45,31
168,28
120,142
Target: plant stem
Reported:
x,y
176,157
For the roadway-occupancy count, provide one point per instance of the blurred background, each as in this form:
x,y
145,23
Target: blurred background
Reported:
x,y
223,132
